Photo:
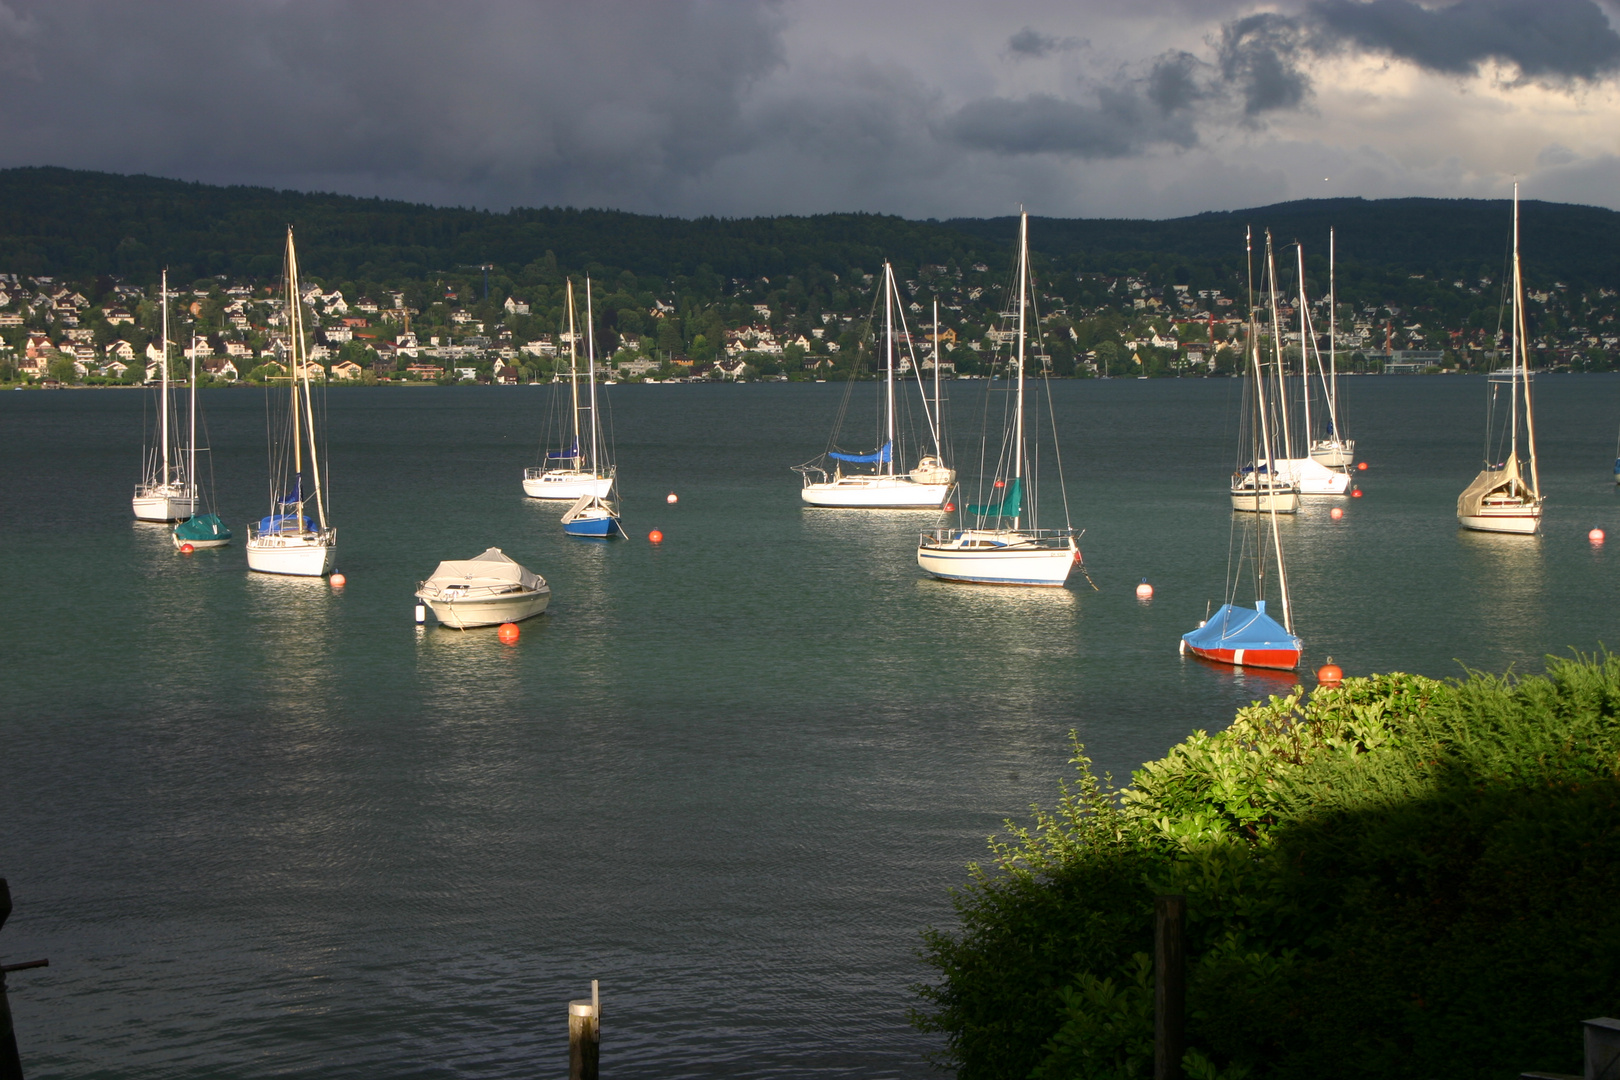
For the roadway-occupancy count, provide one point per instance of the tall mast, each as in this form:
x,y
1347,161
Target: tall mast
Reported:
x,y
1305,344
1276,348
573,369
301,369
939,420
295,334
888,336
1333,344
1023,277
191,464
1271,493
1516,340
1524,348
590,359
163,374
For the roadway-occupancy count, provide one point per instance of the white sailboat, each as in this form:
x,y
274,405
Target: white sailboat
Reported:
x,y
1501,499
1312,476
198,530
593,515
164,493
287,540
568,478
1334,451
924,487
1266,484
990,552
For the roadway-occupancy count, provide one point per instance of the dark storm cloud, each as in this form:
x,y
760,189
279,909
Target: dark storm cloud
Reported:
x,y
1031,44
1545,39
1259,56
1123,122
489,102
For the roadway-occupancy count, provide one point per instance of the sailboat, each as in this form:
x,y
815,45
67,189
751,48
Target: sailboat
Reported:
x,y
594,515
1267,483
198,530
163,494
1334,451
998,549
287,540
1243,636
562,475
884,488
1500,499
1312,476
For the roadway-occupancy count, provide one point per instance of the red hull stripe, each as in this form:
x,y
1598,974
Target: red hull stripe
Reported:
x,y
1283,659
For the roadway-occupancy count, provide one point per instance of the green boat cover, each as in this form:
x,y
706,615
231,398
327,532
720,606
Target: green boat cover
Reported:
x,y
202,527
1009,505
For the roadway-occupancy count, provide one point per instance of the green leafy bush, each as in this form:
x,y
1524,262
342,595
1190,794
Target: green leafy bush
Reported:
x,y
1401,877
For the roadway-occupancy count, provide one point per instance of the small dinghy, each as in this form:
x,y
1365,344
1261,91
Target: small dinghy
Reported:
x,y
487,590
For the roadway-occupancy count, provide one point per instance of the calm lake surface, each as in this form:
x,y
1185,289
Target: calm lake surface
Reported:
x,y
265,828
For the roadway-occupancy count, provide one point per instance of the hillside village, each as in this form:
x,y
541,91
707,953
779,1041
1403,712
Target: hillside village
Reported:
x,y
468,329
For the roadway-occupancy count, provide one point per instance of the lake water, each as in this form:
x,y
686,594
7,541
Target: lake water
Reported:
x,y
265,828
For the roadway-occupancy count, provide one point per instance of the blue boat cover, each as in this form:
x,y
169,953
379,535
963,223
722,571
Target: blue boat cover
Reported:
x,y
1233,627
1009,505
863,459
563,455
285,523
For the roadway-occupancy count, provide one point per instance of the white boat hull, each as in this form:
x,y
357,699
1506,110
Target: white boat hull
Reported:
x,y
875,493
1314,478
159,502
1334,454
1283,501
464,614
311,554
565,484
1521,519
995,557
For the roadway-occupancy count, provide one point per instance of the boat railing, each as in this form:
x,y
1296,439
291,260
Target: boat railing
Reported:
x,y
468,590
323,537
949,536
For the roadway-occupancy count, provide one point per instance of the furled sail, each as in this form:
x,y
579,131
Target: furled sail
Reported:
x,y
864,459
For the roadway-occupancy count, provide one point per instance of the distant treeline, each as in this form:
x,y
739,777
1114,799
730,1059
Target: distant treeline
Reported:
x,y
79,225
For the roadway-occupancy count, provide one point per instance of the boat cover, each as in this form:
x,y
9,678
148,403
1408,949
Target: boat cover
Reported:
x,y
563,455
1260,639
491,566
1009,505
202,527
285,523
863,459
1472,500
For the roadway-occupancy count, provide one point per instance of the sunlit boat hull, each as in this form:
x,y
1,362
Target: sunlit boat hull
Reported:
x,y
565,484
296,554
1312,477
1522,519
201,531
1334,454
596,522
162,502
875,493
998,557
1244,637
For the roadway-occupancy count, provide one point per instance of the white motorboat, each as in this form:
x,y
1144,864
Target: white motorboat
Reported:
x,y
925,487
486,590
1314,478
1501,499
287,540
164,493
988,551
567,471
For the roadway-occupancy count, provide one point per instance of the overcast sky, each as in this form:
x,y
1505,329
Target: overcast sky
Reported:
x,y
1146,108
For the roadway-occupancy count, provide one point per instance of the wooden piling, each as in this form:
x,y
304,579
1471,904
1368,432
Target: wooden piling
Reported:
x,y
585,1036
1169,986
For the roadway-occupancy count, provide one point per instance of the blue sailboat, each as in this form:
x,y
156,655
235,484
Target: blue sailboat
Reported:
x,y
198,530
594,514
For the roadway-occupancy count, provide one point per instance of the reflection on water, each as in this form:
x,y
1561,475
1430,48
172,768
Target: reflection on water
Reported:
x,y
291,620
1503,586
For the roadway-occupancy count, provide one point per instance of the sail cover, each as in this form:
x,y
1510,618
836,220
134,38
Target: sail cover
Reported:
x,y
863,459
1472,500
563,455
1009,505
1245,636
286,523
296,495
492,566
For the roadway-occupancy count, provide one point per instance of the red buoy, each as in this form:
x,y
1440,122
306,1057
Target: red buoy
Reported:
x,y
1356,494
1144,591
186,549
1336,513
1329,674
1596,536
1001,483
656,537
672,498
950,508
1362,466
508,633
338,581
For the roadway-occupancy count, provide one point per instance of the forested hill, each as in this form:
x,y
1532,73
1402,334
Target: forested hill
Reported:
x,y
76,224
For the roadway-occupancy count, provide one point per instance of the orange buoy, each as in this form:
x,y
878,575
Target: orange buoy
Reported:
x,y
950,508
1336,513
186,549
1596,536
1356,493
1001,483
672,498
1144,591
656,537
1361,466
1329,674
508,633
338,581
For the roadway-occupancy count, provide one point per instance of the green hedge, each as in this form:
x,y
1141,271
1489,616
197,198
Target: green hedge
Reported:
x,y
1399,878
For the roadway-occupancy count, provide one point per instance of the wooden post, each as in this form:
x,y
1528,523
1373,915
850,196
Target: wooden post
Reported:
x,y
1169,986
584,1036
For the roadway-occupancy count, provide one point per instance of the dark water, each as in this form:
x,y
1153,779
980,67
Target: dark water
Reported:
x,y
266,829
